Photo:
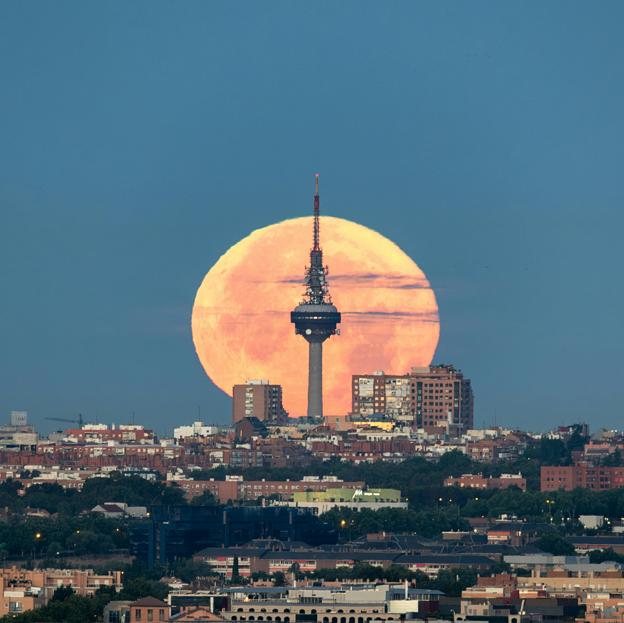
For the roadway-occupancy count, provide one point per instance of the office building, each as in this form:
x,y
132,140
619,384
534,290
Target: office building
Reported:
x,y
179,531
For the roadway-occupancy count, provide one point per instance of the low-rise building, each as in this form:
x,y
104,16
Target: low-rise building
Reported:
x,y
237,488
347,603
478,481
18,435
582,475
102,433
149,610
119,510
196,429
344,497
24,589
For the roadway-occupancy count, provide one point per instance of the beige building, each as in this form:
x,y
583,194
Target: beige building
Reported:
x,y
24,589
361,603
258,399
344,497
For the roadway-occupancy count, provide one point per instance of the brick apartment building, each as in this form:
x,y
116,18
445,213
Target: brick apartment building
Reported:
x,y
258,399
478,481
149,610
434,397
583,475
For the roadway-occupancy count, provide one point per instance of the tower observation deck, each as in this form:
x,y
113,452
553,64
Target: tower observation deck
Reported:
x,y
315,318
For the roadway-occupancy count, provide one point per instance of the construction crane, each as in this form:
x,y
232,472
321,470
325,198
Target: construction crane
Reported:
x,y
79,420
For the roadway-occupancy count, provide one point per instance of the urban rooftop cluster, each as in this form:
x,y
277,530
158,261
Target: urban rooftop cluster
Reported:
x,y
372,517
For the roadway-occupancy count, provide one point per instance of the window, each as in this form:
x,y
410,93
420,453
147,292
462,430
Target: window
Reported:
x,y
150,615
137,614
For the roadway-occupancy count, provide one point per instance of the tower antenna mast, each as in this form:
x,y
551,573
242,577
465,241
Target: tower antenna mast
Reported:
x,y
315,318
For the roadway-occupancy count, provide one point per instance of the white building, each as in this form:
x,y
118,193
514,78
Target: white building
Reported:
x,y
196,429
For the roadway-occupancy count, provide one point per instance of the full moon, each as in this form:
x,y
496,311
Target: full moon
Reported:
x,y
241,315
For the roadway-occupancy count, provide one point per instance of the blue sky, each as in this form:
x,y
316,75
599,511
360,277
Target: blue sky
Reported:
x,y
140,140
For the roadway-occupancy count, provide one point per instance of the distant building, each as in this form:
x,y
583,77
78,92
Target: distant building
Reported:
x,y
249,428
258,399
102,434
478,481
581,476
343,497
237,488
382,603
116,612
430,397
120,510
196,429
25,589
149,609
173,532
591,522
383,394
19,418
18,435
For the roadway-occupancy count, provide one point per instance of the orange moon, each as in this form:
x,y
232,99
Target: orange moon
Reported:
x,y
241,315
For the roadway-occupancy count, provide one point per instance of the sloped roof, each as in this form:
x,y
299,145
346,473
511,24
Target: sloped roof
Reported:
x,y
149,602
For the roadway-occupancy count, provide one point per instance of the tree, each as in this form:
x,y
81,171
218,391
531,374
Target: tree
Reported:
x,y
62,593
189,570
555,544
141,587
235,571
279,579
206,498
605,555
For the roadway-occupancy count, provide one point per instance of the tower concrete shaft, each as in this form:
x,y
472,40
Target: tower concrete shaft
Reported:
x,y
315,318
315,379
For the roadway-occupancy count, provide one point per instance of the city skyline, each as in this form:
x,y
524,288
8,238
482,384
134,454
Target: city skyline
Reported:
x,y
484,140
181,440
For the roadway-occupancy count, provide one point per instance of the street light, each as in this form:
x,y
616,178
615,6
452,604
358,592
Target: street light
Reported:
x,y
550,503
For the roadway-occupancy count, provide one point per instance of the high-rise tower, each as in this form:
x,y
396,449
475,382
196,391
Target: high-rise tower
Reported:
x,y
315,317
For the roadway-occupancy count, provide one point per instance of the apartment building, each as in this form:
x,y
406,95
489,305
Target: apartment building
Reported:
x,y
432,397
259,399
237,488
478,481
24,589
583,475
